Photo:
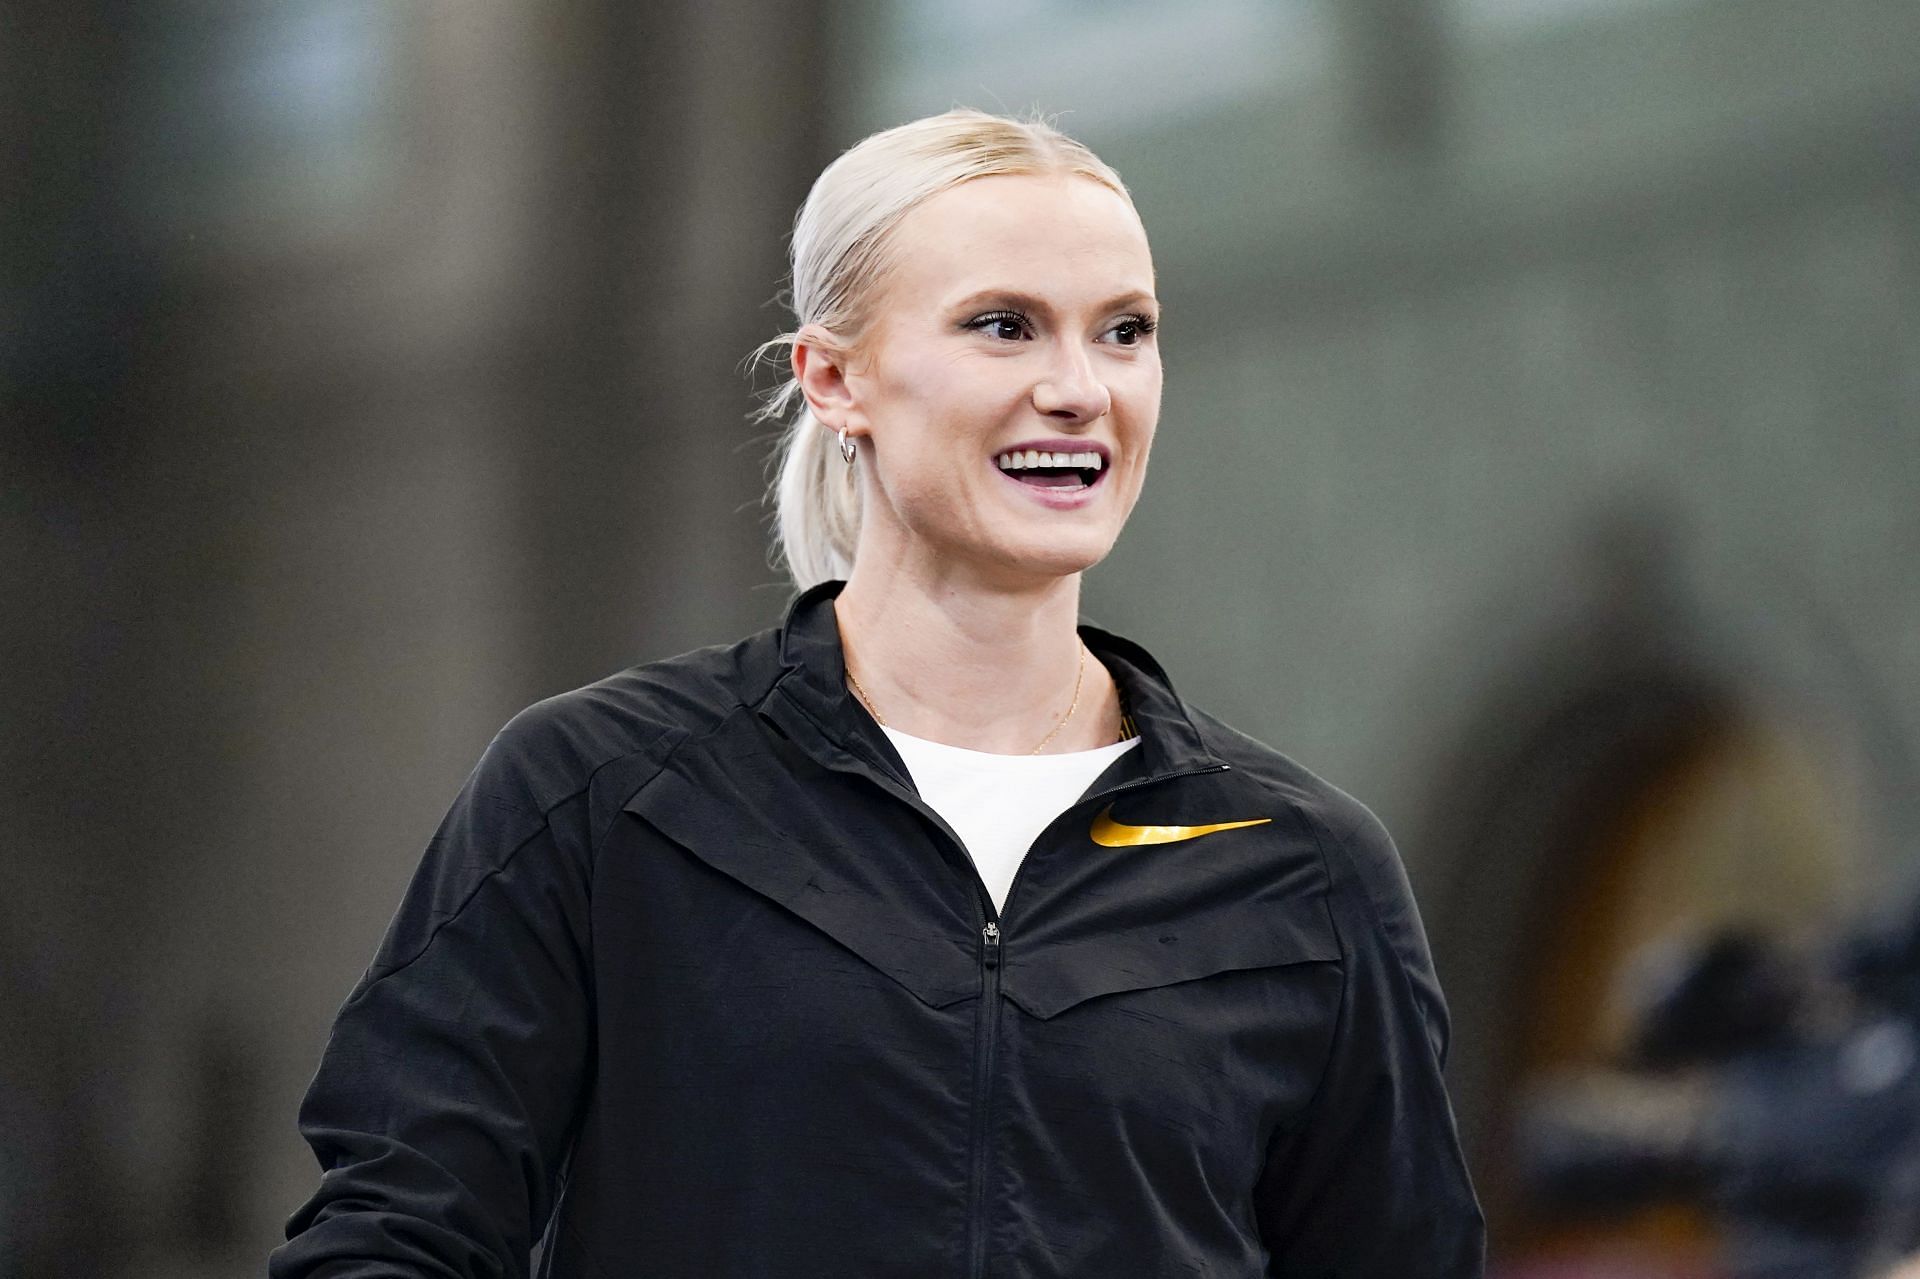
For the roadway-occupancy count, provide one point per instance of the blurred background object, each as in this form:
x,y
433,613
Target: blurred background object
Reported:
x,y
1778,1101
1539,462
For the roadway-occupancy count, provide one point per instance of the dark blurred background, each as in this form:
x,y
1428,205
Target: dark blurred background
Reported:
x,y
1539,462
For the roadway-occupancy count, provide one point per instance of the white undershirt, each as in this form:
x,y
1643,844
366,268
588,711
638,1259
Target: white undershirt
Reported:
x,y
999,804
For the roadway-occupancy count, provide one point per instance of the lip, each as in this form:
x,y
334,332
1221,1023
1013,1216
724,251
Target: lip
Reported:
x,y
1059,499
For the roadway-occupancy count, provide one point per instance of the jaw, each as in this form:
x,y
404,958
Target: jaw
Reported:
x,y
979,523
1045,533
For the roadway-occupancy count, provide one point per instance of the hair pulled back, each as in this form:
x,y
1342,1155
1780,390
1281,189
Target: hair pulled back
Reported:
x,y
840,255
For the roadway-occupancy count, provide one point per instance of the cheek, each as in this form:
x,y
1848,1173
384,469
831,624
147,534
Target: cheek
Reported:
x,y
1139,401
935,418
922,467
1143,390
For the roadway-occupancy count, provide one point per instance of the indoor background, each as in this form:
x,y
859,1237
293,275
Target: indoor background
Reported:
x,y
1538,462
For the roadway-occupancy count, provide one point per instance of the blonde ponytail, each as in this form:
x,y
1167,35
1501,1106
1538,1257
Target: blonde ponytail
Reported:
x,y
816,503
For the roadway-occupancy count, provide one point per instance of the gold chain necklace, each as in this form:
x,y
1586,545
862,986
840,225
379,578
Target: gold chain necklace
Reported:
x,y
1072,706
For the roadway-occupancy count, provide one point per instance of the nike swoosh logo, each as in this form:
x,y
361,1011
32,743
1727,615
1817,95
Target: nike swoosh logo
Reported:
x,y
1111,834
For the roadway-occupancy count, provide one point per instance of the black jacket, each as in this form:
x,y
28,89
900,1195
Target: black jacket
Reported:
x,y
691,981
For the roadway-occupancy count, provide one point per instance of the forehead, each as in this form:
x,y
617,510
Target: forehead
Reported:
x,y
1067,238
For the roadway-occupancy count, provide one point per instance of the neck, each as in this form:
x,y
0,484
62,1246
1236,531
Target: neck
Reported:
x,y
985,667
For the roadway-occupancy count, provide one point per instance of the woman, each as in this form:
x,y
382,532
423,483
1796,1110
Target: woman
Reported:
x,y
929,933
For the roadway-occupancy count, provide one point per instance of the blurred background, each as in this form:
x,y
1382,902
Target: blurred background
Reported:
x,y
1538,462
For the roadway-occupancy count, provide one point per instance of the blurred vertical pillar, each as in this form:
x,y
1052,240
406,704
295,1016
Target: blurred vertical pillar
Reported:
x,y
305,492
1396,59
73,297
687,134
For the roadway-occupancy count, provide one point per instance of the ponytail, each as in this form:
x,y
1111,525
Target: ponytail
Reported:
x,y
816,504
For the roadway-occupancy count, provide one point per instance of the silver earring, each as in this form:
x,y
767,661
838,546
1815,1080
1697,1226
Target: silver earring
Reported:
x,y
847,449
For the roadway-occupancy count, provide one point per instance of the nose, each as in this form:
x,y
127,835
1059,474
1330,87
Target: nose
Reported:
x,y
1070,391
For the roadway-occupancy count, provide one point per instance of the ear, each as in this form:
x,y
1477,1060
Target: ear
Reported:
x,y
820,367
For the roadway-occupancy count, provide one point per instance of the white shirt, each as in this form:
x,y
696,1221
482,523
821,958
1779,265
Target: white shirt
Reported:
x,y
999,804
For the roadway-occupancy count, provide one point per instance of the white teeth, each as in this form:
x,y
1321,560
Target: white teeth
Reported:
x,y
1021,459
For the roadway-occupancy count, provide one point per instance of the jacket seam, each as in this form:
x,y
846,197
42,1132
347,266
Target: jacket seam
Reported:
x,y
545,828
681,743
1312,1108
1346,983
1316,827
395,970
1365,893
595,841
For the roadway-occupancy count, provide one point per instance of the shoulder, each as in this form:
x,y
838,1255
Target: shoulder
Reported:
x,y
1363,863
617,731
1337,815
528,819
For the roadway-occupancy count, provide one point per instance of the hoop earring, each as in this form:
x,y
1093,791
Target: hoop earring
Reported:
x,y
847,449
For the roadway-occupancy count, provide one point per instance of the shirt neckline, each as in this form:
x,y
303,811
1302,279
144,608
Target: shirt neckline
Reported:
x,y
993,757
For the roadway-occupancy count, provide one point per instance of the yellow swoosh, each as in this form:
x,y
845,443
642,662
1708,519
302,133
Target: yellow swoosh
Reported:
x,y
1111,834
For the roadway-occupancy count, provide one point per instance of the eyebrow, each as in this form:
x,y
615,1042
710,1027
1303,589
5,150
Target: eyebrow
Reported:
x,y
1028,302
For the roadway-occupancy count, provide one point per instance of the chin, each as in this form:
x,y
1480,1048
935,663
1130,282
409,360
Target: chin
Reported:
x,y
1055,559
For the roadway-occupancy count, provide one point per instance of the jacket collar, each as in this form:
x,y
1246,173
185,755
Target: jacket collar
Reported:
x,y
815,684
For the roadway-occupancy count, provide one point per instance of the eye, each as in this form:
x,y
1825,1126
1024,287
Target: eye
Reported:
x,y
1132,329
1009,326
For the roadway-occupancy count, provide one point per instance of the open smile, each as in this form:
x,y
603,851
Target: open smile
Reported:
x,y
1061,466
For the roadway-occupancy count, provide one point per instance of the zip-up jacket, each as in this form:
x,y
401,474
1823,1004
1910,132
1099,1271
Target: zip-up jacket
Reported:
x,y
691,984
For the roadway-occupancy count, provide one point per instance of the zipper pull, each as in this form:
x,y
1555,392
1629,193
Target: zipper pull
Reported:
x,y
990,947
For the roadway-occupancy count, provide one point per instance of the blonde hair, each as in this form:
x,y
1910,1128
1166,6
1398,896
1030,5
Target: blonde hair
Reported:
x,y
841,239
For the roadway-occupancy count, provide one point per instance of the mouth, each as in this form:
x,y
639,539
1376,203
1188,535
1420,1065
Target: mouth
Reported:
x,y
1064,465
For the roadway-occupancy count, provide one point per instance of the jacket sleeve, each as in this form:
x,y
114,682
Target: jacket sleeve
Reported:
x,y
445,1097
1371,1183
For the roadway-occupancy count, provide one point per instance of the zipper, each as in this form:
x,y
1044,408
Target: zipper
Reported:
x,y
987,1020
983,1045
987,1037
